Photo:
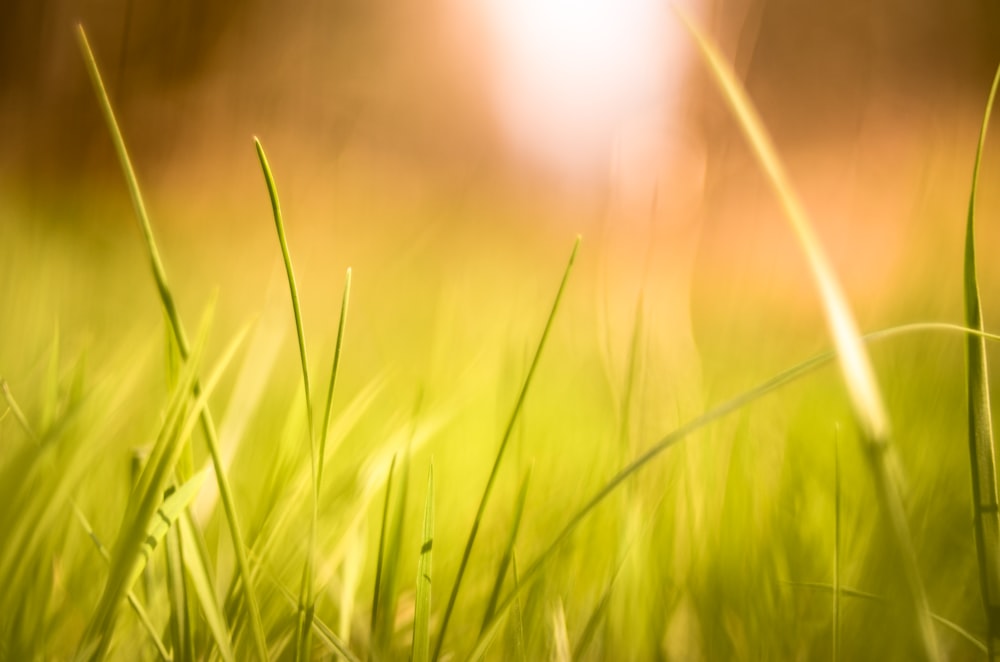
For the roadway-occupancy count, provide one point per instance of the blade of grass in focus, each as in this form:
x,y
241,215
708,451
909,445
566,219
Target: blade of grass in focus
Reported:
x,y
167,299
508,433
306,599
422,610
855,365
986,514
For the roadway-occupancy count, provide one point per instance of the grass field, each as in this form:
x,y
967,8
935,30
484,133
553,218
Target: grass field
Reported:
x,y
181,477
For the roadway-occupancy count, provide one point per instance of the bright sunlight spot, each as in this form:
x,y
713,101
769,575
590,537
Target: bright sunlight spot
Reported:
x,y
569,74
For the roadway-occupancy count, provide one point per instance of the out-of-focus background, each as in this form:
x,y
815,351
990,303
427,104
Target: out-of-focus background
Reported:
x,y
450,151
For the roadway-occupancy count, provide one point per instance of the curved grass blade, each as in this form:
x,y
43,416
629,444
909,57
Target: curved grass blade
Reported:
x,y
986,513
719,411
306,595
855,365
508,433
422,611
166,297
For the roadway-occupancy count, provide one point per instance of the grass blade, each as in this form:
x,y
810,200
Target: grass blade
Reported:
x,y
385,626
422,614
181,621
986,516
852,358
338,347
381,552
508,552
480,511
196,564
303,630
167,299
133,601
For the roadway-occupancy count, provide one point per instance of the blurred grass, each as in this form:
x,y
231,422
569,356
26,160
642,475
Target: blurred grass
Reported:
x,y
732,526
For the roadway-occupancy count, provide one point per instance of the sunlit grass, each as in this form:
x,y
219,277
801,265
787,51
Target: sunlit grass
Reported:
x,y
772,550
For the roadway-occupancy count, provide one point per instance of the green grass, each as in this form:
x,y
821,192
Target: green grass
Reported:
x,y
783,521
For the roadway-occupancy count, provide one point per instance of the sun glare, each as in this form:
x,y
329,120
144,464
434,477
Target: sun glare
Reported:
x,y
569,74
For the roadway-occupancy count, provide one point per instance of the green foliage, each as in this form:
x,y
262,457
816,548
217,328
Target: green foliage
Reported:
x,y
742,557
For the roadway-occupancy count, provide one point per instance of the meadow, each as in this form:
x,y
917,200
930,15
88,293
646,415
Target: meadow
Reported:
x,y
208,456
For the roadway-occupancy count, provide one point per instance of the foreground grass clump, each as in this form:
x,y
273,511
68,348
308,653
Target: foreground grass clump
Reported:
x,y
202,510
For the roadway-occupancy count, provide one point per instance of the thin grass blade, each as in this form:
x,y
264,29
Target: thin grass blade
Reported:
x,y
380,558
505,440
422,610
986,514
508,552
197,573
303,631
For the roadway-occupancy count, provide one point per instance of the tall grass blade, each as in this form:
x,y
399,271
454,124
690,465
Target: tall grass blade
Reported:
x,y
181,622
385,627
508,552
380,557
986,512
508,433
328,409
303,630
855,366
422,610
167,299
